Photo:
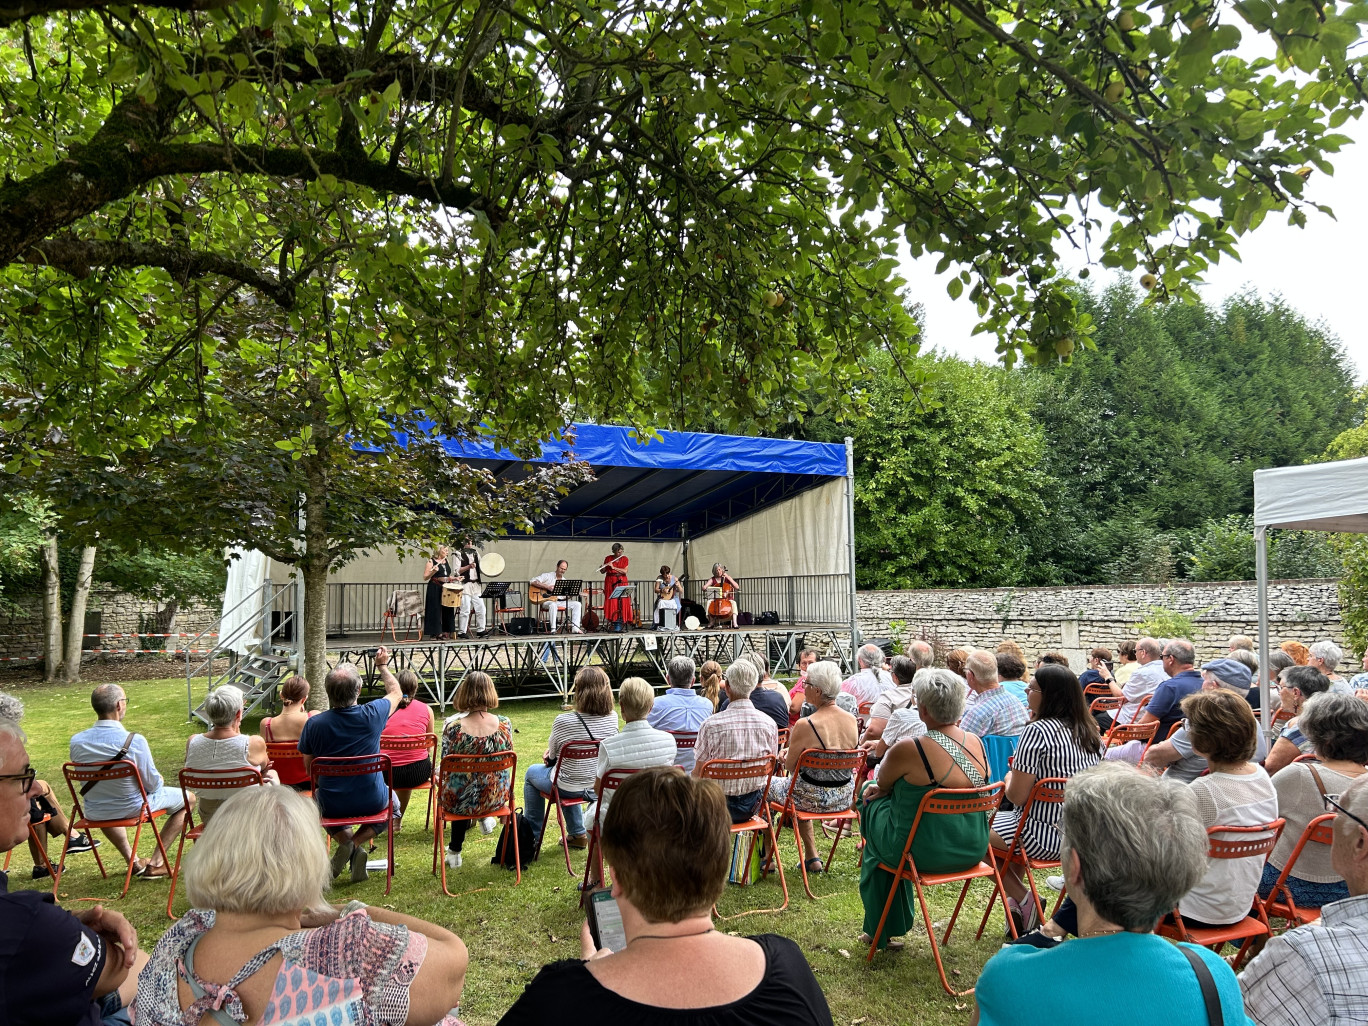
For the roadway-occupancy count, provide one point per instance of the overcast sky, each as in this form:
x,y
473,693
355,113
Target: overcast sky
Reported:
x,y
1320,270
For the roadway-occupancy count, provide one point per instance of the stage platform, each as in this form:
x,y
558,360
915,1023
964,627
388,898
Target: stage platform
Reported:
x,y
544,665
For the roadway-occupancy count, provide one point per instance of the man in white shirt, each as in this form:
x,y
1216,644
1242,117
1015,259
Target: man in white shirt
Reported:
x,y
1319,973
1143,682
872,680
574,607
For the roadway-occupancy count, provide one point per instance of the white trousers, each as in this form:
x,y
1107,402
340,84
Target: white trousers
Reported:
x,y
551,607
469,604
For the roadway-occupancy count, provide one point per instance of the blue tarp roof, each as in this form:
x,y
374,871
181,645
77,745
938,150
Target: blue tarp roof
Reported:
x,y
682,484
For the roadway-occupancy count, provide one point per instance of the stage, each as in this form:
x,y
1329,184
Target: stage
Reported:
x,y
544,665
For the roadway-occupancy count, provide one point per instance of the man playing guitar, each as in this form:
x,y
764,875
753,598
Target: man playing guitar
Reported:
x,y
539,591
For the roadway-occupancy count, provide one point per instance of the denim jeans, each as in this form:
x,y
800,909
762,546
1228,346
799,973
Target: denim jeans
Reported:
x,y
534,807
742,806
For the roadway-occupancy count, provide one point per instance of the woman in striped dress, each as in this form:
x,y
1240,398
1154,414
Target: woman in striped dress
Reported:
x,y
1061,740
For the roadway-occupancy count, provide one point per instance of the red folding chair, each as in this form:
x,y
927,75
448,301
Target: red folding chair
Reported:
x,y
817,760
477,765
1128,732
751,769
412,743
1280,715
1134,719
862,716
202,782
81,773
38,840
1097,690
684,739
944,801
1111,705
1250,926
1306,757
1319,831
338,767
285,754
611,781
571,751
1046,791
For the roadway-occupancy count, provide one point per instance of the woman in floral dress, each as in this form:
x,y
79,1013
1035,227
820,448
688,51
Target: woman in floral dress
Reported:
x,y
474,730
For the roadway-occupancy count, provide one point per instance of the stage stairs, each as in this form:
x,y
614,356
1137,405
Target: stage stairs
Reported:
x,y
258,676
260,670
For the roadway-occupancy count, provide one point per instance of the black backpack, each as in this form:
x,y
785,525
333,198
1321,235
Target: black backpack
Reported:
x,y
503,851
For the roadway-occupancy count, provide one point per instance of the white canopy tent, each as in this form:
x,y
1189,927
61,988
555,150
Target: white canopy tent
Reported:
x,y
1316,497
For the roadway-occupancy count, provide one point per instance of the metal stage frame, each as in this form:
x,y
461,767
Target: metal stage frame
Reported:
x,y
544,665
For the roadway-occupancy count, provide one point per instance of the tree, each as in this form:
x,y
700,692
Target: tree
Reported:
x,y
171,579
1352,549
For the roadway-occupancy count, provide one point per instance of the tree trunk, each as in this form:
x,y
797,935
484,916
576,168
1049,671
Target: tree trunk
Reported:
x,y
75,639
52,610
164,622
314,567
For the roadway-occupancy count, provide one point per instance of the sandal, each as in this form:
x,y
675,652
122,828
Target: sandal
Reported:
x,y
894,943
151,872
808,865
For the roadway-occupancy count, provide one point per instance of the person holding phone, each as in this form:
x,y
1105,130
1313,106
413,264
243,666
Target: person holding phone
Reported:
x,y
667,837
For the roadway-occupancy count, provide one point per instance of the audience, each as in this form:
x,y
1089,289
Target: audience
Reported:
x,y
592,719
261,944
1319,973
921,652
1010,647
710,683
1299,652
1127,664
945,757
1061,740
1239,643
1337,727
1299,683
1360,680
348,729
637,746
1278,660
287,725
1099,669
1166,705
1236,792
1132,846
899,696
1326,656
995,710
904,722
1175,755
1147,676
827,728
1012,675
108,741
954,662
474,730
769,696
58,968
805,659
680,709
410,718
739,731
224,746
667,840
872,679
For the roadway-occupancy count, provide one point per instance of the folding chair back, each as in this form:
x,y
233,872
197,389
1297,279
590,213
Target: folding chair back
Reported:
x,y
684,739
412,743
1306,757
1280,902
943,801
1045,791
1281,715
751,769
1124,733
346,766
1247,842
82,773
609,783
286,760
862,715
818,763
1106,704
1096,690
202,782
477,766
570,751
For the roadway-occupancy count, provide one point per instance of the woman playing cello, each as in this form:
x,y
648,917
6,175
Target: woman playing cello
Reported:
x,y
618,612
722,608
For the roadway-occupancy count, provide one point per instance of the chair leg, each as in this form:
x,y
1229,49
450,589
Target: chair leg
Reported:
x,y
128,876
935,946
175,871
955,914
513,829
565,838
61,863
389,853
888,907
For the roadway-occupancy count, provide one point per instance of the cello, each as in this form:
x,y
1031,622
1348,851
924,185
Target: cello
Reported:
x,y
722,607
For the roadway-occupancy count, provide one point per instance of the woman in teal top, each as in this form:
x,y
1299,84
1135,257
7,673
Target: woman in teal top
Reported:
x,y
945,757
1123,880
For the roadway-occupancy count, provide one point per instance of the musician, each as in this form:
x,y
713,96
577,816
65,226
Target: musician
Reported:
x,y
574,607
668,594
722,608
439,621
469,573
618,612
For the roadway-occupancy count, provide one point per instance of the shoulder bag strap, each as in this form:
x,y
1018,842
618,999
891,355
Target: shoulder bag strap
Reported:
x,y
1210,998
1320,784
586,727
122,753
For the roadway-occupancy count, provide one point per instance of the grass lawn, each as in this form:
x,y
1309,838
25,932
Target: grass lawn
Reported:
x,y
511,931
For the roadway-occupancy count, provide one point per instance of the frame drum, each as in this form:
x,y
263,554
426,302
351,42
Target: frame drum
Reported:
x,y
491,564
691,623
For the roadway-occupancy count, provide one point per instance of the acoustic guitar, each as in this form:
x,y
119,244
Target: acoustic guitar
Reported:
x,y
537,594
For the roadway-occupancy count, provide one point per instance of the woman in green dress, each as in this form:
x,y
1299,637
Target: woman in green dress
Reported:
x,y
945,756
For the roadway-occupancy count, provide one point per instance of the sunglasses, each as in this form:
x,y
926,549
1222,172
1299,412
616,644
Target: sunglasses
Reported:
x,y
1332,804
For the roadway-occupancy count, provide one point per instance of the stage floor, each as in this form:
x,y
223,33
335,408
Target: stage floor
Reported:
x,y
541,665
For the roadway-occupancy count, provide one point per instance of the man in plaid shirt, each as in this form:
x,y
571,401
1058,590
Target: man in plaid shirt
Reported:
x,y
739,731
1318,973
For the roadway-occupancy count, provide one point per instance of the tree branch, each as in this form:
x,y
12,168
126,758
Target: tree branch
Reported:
x,y
78,256
22,10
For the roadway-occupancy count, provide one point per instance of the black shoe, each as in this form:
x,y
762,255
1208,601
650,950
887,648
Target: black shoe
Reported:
x,y
80,843
1035,939
41,872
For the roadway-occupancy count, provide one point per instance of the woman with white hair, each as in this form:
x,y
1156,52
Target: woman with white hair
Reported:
x,y
1326,657
224,746
946,756
1132,847
261,944
828,728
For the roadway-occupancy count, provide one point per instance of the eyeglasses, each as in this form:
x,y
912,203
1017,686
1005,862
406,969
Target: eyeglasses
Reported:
x,y
1034,687
1332,805
25,779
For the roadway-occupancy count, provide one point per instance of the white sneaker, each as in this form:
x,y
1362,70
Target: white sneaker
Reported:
x,y
453,860
1054,883
488,824
576,630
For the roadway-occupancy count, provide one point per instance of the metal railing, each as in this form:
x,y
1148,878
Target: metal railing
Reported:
x,y
259,603
822,599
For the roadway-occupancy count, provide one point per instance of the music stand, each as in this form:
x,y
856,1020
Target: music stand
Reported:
x,y
567,589
497,590
621,591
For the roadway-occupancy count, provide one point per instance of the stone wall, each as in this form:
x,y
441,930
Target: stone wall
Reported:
x,y
21,629
1075,619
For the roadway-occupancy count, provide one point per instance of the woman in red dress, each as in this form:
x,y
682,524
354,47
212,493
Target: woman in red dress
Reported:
x,y
618,612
